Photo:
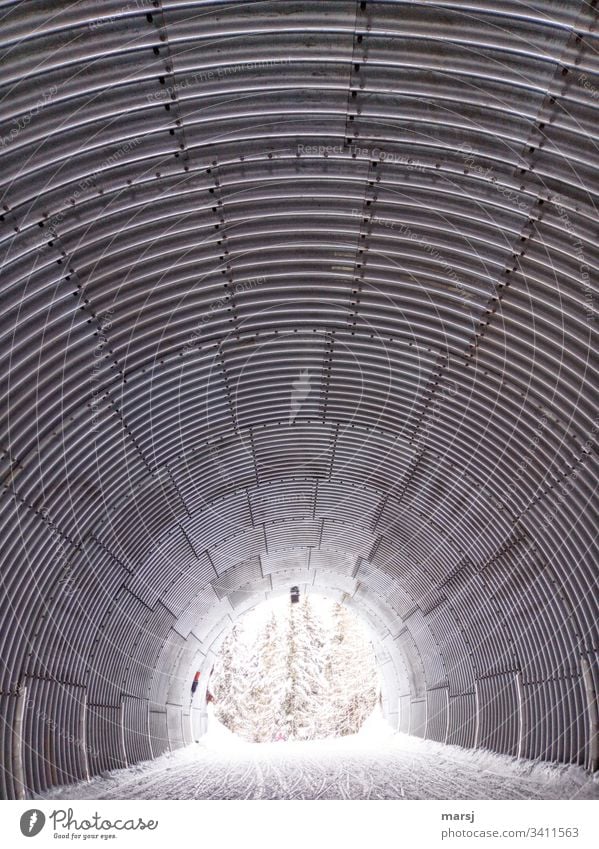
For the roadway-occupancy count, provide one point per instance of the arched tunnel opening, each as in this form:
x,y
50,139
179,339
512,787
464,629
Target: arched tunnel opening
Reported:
x,y
295,669
297,294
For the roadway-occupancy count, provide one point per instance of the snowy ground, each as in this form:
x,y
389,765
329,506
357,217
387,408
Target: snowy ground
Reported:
x,y
375,764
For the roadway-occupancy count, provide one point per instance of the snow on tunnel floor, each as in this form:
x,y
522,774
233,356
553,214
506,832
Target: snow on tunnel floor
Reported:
x,y
374,764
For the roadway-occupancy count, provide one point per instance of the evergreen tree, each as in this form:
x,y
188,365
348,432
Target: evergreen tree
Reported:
x,y
297,706
229,680
314,635
266,684
351,675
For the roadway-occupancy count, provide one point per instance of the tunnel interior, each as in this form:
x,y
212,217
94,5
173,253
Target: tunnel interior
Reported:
x,y
297,293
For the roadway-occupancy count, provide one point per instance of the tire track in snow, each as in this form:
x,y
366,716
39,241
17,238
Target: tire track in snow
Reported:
x,y
393,768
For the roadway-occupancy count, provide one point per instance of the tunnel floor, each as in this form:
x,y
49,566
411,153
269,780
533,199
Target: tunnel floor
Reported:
x,y
395,767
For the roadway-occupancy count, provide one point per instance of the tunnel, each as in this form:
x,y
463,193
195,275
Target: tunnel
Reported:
x,y
297,293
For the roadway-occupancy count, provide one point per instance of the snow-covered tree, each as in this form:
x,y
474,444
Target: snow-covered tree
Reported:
x,y
350,673
266,684
314,637
229,682
301,661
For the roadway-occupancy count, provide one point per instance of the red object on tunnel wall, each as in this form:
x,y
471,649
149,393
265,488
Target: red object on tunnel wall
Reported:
x,y
195,682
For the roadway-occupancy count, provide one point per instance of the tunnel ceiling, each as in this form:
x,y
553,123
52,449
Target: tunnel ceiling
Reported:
x,y
297,292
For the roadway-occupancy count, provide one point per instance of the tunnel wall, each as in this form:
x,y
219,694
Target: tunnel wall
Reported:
x,y
297,291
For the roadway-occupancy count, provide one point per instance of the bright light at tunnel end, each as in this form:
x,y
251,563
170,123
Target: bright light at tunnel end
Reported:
x,y
293,669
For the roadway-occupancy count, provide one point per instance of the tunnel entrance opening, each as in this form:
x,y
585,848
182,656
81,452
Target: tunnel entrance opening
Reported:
x,y
295,671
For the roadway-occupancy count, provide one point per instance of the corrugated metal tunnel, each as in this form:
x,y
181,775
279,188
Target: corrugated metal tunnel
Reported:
x,y
297,293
